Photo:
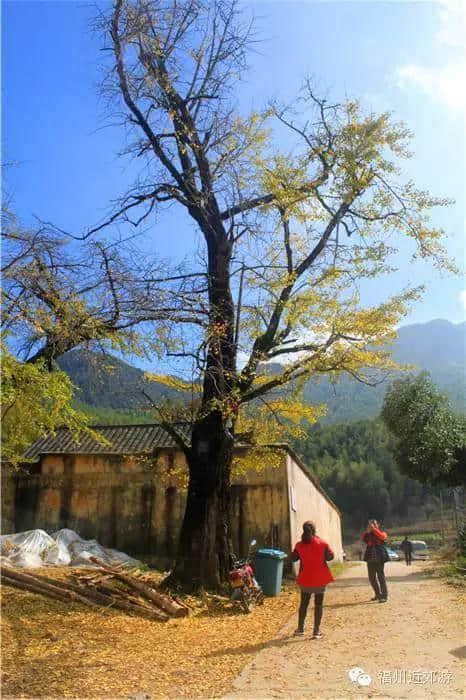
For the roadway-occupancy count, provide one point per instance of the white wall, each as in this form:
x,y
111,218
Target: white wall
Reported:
x,y
310,504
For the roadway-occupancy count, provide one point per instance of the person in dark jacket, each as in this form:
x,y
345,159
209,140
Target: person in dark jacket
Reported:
x,y
313,554
407,547
375,556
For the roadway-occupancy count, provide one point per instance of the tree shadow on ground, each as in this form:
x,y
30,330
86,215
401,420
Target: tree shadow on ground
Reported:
x,y
363,580
255,648
344,605
459,652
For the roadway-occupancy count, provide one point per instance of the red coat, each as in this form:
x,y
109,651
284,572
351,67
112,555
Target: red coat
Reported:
x,y
374,537
314,571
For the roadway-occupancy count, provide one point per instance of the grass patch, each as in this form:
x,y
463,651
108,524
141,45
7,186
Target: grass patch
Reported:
x,y
450,566
427,537
337,567
422,533
454,573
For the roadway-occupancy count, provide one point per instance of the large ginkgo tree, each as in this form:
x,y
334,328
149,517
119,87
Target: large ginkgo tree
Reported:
x,y
293,205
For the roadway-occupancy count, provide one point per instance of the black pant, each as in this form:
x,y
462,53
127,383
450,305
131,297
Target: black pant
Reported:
x,y
377,578
408,558
318,609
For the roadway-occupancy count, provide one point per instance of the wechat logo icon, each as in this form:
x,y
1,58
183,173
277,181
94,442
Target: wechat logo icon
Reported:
x,y
359,676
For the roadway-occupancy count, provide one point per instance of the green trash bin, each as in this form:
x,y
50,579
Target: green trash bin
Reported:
x,y
269,570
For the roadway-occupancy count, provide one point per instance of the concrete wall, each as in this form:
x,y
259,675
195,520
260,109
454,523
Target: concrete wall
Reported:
x,y
307,502
137,505
259,509
129,504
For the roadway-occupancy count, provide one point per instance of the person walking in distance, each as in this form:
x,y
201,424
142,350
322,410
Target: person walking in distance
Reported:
x,y
407,547
313,553
375,556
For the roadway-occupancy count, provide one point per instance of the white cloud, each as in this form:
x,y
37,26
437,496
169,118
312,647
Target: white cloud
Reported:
x,y
463,297
445,84
452,19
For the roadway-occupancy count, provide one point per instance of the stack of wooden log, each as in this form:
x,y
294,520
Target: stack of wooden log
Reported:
x,y
107,586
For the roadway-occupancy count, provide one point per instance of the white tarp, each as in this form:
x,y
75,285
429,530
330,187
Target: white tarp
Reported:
x,y
65,547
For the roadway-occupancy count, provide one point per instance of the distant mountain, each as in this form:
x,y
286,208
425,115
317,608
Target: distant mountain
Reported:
x,y
105,382
437,346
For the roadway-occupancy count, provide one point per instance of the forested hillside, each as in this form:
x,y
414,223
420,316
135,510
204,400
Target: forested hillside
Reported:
x,y
106,382
354,464
438,347
349,451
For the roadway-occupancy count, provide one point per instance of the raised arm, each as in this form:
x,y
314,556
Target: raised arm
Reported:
x,y
379,534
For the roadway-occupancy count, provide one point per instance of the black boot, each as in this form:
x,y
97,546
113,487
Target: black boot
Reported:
x,y
305,598
318,612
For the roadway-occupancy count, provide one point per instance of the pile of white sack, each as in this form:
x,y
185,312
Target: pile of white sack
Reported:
x,y
36,548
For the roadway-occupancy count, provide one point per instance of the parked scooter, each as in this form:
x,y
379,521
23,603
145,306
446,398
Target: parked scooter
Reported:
x,y
244,587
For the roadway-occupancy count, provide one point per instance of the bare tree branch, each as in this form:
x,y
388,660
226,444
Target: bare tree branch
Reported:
x,y
169,426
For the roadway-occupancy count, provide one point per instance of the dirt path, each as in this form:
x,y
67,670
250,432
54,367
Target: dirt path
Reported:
x,y
411,647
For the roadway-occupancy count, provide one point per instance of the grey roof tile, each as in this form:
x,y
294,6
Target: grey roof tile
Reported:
x,y
122,439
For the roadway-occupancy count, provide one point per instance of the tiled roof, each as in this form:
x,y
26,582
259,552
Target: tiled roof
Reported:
x,y
133,439
122,439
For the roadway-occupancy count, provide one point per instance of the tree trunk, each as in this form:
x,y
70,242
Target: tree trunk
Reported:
x,y
204,555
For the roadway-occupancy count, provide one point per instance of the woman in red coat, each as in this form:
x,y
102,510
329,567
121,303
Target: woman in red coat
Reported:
x,y
376,556
314,574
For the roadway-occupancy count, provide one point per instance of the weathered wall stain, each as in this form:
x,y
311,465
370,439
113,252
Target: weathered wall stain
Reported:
x,y
137,505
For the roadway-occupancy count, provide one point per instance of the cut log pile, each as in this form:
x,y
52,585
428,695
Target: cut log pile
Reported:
x,y
108,587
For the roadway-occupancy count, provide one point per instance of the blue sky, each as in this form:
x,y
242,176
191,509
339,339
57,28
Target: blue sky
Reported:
x,y
407,57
